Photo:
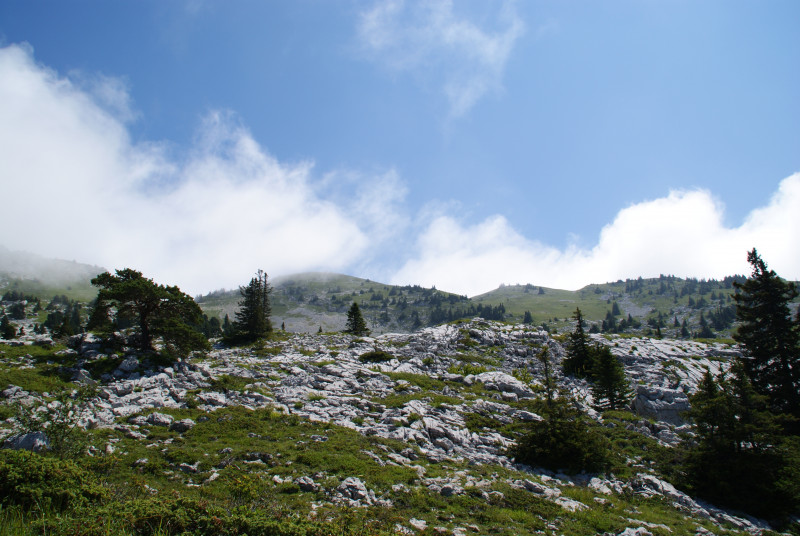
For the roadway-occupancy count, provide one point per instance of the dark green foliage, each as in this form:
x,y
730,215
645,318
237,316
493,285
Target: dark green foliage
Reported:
x,y
439,315
155,516
32,480
211,327
375,356
610,387
355,322
770,335
741,459
705,330
527,318
160,311
579,359
17,311
253,317
7,330
563,440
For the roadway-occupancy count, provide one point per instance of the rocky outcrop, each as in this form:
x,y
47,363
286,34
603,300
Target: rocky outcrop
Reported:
x,y
437,381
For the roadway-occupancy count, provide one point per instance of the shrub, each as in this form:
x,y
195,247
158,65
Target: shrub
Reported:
x,y
58,419
28,479
563,440
375,356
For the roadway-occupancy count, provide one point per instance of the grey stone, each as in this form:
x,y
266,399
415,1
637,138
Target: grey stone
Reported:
x,y
181,426
160,419
129,364
306,483
33,441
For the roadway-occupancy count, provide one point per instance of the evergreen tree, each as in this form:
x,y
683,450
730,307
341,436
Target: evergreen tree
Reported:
x,y
579,359
740,459
527,318
160,311
770,335
355,322
227,327
253,317
564,439
610,388
705,330
7,329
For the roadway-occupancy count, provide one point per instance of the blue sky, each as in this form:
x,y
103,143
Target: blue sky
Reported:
x,y
456,144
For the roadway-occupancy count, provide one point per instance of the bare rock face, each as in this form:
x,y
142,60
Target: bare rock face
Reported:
x,y
184,425
666,405
160,419
33,441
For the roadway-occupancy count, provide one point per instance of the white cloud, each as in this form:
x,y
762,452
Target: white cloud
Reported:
x,y
682,234
430,40
76,187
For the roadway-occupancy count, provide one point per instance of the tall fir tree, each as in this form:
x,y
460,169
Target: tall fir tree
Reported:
x,y
565,438
253,317
740,458
7,330
770,335
355,322
610,388
579,357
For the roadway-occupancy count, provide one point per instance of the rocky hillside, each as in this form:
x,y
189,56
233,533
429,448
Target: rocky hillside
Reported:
x,y
673,307
43,277
410,431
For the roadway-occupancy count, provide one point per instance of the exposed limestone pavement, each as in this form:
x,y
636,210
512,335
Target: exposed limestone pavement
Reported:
x,y
422,394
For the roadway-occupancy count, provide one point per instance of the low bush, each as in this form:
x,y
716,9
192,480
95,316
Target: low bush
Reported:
x,y
32,480
375,356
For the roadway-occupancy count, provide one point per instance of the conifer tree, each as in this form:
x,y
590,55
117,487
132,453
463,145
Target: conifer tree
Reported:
x,y
579,359
7,329
253,317
355,322
770,335
159,311
740,459
610,388
564,439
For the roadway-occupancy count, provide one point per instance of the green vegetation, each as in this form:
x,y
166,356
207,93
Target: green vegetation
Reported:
x,y
157,311
355,322
771,335
375,356
564,439
253,317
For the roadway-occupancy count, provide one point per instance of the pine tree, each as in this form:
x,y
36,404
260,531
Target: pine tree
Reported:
x,y
253,317
740,458
770,335
565,438
227,327
610,388
579,359
355,322
7,329
158,311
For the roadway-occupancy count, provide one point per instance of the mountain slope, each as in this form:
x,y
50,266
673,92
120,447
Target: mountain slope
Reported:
x,y
42,277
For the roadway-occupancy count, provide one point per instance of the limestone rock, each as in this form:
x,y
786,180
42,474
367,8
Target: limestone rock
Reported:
x,y
33,441
160,419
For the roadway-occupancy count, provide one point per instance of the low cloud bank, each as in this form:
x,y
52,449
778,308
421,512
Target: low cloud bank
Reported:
x,y
75,186
682,234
